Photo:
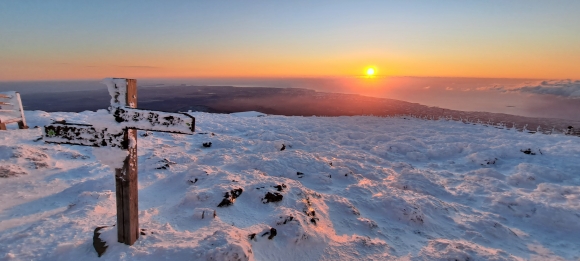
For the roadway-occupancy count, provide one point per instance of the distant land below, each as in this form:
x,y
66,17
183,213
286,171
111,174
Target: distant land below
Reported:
x,y
524,97
279,101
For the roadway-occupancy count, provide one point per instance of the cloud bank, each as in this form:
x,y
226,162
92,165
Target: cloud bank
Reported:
x,y
562,88
567,88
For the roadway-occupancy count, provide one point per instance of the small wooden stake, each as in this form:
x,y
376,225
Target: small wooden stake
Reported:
x,y
126,181
22,125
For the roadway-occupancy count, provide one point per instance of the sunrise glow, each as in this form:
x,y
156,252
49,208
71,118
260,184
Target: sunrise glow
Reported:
x,y
207,39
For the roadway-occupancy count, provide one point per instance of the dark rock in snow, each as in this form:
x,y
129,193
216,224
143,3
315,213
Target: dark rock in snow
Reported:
x,y
528,151
313,220
272,233
236,192
225,202
166,164
283,147
230,197
286,220
206,144
280,187
272,197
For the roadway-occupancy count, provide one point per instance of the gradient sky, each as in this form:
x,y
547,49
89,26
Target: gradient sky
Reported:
x,y
147,39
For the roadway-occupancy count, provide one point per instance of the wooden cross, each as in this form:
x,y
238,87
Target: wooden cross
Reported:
x,y
120,132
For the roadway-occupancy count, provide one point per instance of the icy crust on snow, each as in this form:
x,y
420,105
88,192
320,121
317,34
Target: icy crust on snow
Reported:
x,y
346,188
117,88
248,114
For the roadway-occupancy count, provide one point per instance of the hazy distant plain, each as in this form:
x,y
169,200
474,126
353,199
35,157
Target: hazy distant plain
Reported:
x,y
524,97
324,97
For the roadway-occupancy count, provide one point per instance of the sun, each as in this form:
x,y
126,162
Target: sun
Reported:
x,y
370,71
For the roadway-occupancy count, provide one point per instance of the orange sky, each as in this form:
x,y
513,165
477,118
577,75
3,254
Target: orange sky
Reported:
x,y
61,40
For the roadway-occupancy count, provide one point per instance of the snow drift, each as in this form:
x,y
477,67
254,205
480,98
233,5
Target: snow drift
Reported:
x,y
299,188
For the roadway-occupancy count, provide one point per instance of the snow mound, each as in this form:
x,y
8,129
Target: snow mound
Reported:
x,y
248,114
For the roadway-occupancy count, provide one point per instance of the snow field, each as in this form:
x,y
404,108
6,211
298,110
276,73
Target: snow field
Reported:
x,y
354,188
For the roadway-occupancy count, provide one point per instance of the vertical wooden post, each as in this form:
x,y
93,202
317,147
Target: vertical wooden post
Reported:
x,y
126,180
22,123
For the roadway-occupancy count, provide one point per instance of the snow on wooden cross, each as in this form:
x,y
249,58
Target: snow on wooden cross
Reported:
x,y
116,133
11,110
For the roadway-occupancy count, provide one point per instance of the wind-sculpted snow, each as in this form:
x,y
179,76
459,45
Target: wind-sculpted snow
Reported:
x,y
300,188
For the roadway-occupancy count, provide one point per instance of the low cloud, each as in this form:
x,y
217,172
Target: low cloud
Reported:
x,y
564,88
139,66
124,66
492,88
567,88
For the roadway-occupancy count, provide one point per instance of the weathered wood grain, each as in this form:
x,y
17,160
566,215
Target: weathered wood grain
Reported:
x,y
125,120
154,120
126,181
82,134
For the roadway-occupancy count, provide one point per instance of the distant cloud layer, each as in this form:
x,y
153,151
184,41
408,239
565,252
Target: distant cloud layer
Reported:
x,y
565,88
139,66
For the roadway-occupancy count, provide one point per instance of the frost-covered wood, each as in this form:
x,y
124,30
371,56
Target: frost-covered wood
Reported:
x,y
11,110
154,120
117,88
82,134
118,129
128,193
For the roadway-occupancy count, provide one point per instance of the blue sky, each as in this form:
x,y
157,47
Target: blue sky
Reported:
x,y
82,39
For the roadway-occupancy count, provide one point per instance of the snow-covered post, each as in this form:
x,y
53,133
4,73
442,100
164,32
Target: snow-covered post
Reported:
x,y
125,93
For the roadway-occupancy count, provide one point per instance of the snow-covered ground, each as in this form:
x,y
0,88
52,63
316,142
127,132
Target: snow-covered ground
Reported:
x,y
353,188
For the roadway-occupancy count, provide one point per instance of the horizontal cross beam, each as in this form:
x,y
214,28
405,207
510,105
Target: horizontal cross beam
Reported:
x,y
154,120
83,134
127,118
118,129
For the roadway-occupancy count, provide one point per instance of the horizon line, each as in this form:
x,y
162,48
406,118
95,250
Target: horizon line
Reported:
x,y
281,77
